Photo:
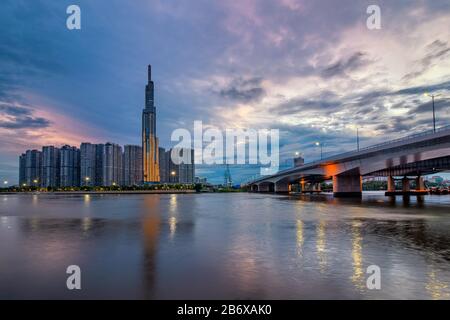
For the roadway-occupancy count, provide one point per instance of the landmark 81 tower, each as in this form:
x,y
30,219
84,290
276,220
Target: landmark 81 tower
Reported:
x,y
149,139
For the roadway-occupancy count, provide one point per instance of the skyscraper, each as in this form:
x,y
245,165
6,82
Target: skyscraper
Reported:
x,y
112,164
171,172
164,165
99,149
33,159
50,167
22,164
149,139
87,164
69,166
132,165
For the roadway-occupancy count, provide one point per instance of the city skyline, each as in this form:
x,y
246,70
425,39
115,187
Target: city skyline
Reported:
x,y
320,72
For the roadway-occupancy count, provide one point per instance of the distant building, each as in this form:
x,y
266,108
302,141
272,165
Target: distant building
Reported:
x,y
149,139
33,159
299,161
112,164
50,167
200,180
99,149
69,166
164,165
132,165
177,173
22,162
437,179
87,164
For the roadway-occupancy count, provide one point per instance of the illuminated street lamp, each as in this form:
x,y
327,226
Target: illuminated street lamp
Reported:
x,y
297,153
87,179
434,116
319,144
5,182
173,173
113,183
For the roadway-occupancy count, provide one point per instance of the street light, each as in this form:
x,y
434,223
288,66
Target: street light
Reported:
x,y
357,138
173,173
426,94
5,182
113,183
319,144
297,153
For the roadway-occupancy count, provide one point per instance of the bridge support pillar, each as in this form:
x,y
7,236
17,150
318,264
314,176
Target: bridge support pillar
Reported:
x,y
347,186
303,185
263,187
405,184
391,184
316,186
420,185
282,187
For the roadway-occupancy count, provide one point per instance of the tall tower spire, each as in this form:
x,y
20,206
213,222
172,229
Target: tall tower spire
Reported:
x,y
149,140
149,73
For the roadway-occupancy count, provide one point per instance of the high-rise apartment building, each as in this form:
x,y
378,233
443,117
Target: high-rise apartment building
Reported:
x,y
132,165
164,165
149,140
69,166
33,159
87,164
22,162
173,171
50,167
99,149
112,165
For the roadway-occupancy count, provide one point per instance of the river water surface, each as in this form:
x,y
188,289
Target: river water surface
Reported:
x,y
224,246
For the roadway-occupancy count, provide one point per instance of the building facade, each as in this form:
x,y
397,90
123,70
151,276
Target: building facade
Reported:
x,y
22,162
177,171
69,166
33,171
150,143
112,165
50,167
88,164
132,165
99,149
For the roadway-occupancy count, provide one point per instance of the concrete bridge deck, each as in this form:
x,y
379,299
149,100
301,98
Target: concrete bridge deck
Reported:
x,y
410,157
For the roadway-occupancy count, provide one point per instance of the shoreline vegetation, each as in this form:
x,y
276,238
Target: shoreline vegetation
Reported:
x,y
148,189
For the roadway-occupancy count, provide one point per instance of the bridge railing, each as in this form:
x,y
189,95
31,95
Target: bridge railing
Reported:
x,y
375,146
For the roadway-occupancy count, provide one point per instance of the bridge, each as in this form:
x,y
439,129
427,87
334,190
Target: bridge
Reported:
x,y
407,158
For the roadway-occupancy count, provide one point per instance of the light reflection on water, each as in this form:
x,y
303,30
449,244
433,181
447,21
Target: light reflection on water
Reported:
x,y
235,246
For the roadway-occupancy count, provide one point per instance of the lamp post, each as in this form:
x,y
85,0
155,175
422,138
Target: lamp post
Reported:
x,y
320,144
434,115
357,138
5,182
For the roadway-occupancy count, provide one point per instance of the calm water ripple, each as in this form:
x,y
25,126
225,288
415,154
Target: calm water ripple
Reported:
x,y
231,246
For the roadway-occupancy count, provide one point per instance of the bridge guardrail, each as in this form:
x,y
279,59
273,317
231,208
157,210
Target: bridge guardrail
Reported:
x,y
375,146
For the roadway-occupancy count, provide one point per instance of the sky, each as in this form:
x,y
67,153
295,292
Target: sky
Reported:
x,y
311,69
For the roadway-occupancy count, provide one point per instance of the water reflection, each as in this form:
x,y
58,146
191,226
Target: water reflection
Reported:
x,y
208,246
300,237
357,260
437,288
321,245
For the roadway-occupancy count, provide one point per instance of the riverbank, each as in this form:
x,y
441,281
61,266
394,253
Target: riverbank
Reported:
x,y
81,192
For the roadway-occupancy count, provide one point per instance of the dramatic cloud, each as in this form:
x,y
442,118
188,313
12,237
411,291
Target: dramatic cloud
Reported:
x,y
18,117
241,90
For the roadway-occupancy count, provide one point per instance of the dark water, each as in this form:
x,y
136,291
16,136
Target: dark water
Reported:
x,y
236,246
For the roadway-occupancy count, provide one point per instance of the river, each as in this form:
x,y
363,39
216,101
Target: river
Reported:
x,y
224,246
